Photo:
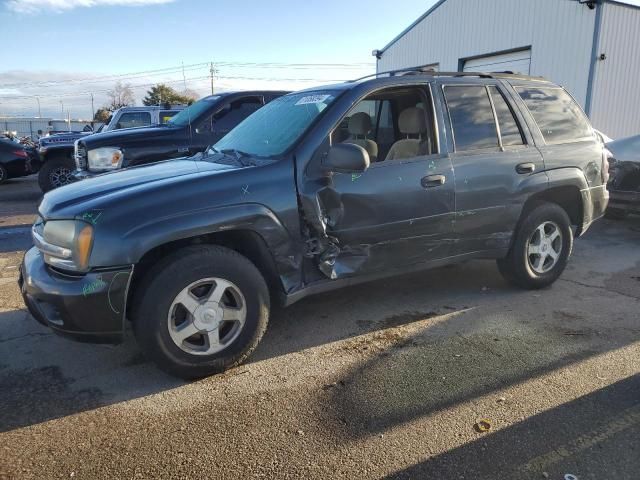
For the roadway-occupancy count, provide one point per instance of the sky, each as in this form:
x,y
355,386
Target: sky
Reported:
x,y
59,52
62,50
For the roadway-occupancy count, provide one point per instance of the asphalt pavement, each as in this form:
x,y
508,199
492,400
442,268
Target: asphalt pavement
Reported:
x,y
446,374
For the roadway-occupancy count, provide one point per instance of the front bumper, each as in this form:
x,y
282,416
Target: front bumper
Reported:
x,y
88,308
627,201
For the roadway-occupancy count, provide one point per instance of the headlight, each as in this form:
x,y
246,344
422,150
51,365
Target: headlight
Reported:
x,y
105,158
64,243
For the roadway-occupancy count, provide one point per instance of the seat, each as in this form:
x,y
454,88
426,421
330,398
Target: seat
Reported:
x,y
359,128
412,121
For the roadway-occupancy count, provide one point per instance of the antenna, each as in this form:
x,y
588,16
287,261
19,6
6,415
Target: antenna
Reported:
x,y
184,82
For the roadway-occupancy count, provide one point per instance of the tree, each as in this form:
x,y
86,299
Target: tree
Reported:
x,y
162,94
102,115
120,96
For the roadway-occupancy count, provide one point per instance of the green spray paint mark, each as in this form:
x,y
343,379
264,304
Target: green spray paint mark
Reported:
x,y
92,217
96,285
355,176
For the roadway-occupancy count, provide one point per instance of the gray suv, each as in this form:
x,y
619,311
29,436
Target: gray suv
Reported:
x,y
317,190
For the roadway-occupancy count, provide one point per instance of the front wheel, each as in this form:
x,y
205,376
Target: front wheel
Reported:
x,y
201,311
56,172
541,248
4,175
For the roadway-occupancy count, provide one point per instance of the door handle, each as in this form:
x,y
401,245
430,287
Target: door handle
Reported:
x,y
433,181
526,168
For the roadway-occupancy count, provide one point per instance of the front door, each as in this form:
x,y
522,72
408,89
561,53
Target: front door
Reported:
x,y
399,212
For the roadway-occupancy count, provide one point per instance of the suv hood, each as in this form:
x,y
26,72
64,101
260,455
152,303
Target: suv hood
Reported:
x,y
72,199
120,137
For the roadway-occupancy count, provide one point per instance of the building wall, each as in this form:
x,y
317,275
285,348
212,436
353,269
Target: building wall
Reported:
x,y
615,104
560,33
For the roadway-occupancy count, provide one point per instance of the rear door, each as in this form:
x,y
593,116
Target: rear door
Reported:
x,y
496,165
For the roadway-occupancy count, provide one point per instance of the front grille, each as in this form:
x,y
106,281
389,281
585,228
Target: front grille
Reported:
x,y
80,155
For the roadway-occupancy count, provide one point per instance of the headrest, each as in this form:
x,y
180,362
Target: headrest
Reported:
x,y
359,124
412,121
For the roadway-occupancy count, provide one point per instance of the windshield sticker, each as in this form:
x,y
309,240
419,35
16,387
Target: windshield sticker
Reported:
x,y
309,99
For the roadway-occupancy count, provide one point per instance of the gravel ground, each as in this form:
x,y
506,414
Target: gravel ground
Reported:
x,y
383,380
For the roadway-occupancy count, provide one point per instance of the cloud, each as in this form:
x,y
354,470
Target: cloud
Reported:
x,y
35,6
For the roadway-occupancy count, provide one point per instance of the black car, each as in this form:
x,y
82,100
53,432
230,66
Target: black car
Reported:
x,y
15,160
624,185
318,190
189,132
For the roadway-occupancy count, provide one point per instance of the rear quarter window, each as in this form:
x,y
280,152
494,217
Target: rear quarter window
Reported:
x,y
558,116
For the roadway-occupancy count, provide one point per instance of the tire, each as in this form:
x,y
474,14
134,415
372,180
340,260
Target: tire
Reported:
x,y
616,214
55,172
158,319
4,175
526,269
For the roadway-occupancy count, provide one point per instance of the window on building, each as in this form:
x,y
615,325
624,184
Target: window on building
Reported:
x,y
134,119
559,117
472,118
509,129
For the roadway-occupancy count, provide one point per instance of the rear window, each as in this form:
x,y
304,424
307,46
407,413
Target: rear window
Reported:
x,y
509,128
559,117
134,119
474,126
165,115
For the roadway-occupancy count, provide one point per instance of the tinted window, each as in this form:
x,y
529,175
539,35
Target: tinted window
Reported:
x,y
509,129
189,114
560,119
233,113
471,117
165,115
134,119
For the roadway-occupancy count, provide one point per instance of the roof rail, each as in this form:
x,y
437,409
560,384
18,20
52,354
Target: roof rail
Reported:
x,y
433,73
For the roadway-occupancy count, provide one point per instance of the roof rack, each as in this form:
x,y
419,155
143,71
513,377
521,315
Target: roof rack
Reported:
x,y
433,73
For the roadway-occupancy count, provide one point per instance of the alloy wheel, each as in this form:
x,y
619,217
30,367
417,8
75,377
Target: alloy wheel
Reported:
x,y
60,176
544,247
207,316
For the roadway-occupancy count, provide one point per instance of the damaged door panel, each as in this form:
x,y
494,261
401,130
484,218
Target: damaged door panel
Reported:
x,y
400,210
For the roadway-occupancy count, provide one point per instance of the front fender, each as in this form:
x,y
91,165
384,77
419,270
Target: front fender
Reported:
x,y
159,230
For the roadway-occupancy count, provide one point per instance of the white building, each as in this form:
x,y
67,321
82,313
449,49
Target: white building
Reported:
x,y
591,47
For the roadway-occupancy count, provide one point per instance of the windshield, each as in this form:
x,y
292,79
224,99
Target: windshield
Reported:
x,y
274,128
190,113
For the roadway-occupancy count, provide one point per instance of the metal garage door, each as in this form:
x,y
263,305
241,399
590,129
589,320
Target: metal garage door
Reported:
x,y
517,62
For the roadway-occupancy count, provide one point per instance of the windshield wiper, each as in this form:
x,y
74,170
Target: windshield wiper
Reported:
x,y
239,156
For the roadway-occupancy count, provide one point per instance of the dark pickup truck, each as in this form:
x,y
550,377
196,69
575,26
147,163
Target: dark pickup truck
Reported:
x,y
318,190
187,133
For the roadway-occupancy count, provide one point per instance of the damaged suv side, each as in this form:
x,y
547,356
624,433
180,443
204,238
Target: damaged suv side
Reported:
x,y
318,190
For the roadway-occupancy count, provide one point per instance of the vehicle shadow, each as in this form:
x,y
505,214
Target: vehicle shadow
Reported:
x,y
593,436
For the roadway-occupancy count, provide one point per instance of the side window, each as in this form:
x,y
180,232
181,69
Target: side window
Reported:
x,y
559,117
509,129
134,119
472,118
165,115
235,112
391,124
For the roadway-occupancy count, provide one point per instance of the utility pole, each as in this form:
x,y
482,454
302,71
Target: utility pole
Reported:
x,y
62,108
39,112
93,111
212,70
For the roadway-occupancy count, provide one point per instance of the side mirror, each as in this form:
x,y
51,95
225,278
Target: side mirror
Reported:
x,y
347,158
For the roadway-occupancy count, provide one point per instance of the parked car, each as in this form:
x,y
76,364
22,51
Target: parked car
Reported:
x,y
189,132
624,184
16,160
318,190
56,151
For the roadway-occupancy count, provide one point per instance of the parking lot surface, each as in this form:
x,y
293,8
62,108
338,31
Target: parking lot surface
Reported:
x,y
445,374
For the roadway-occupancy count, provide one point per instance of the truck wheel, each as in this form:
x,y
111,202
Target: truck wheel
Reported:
x,y
4,175
615,214
541,248
55,173
201,310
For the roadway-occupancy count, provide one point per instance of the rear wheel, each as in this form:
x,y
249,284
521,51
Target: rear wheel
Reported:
x,y
201,311
4,175
56,172
541,248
